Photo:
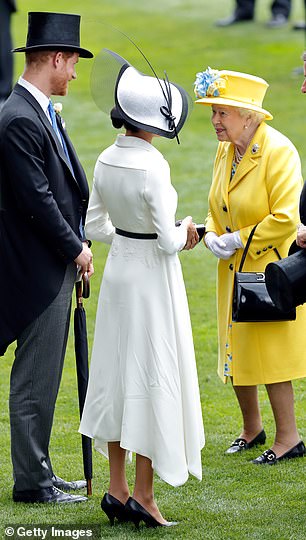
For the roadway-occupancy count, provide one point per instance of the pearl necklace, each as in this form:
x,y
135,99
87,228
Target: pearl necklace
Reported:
x,y
238,155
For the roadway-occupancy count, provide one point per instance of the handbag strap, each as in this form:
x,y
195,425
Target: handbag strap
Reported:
x,y
245,251
247,245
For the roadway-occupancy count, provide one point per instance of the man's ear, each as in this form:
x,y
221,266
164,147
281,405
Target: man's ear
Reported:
x,y
57,58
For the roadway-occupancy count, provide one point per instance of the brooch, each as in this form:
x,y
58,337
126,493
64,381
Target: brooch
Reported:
x,y
255,148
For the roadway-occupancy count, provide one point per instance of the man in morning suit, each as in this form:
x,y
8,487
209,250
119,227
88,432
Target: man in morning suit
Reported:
x,y
7,7
43,202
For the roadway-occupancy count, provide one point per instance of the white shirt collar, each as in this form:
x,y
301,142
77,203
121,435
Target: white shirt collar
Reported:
x,y
40,97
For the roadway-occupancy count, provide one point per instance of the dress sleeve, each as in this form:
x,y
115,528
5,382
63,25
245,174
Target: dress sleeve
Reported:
x,y
98,225
209,223
161,198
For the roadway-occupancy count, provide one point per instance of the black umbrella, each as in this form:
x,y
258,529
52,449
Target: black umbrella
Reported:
x,y
81,356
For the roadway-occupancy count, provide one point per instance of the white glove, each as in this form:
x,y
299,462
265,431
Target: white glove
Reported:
x,y
217,246
232,240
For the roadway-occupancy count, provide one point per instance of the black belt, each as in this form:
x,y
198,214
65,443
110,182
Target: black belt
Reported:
x,y
139,236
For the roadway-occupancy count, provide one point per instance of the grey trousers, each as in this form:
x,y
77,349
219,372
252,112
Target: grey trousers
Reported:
x,y
35,380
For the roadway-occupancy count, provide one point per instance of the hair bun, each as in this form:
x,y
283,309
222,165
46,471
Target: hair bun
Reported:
x,y
116,118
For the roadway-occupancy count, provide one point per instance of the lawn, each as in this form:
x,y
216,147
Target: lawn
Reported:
x,y
235,498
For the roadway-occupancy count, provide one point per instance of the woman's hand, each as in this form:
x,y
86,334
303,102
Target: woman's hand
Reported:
x,y
218,246
232,240
192,234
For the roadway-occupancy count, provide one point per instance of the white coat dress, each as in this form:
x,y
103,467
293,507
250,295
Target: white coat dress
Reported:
x,y
143,386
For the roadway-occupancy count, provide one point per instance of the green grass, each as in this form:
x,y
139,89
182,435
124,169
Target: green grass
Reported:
x,y
235,499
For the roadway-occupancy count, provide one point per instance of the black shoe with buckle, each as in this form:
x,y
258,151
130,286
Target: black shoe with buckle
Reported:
x,y
269,457
59,483
241,444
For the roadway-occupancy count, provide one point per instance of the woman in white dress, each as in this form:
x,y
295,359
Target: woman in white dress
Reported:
x,y
143,393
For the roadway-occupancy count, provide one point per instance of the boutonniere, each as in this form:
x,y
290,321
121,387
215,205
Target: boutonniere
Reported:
x,y
58,107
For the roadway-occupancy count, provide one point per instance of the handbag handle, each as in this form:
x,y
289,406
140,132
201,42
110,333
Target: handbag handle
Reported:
x,y
245,251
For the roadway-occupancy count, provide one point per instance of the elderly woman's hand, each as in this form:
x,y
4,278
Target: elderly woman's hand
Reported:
x,y
217,246
232,240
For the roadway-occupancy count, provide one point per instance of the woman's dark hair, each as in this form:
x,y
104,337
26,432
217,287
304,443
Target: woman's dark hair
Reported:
x,y
118,121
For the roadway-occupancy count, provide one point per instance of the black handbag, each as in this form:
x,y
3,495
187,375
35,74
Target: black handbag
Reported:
x,y
251,300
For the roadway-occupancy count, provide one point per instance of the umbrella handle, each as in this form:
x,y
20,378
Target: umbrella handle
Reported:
x,y
86,287
82,289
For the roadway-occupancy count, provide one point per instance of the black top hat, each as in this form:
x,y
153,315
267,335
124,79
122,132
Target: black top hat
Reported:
x,y
286,280
54,31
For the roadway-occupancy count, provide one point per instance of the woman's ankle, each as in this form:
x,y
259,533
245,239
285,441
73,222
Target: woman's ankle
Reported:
x,y
145,499
121,494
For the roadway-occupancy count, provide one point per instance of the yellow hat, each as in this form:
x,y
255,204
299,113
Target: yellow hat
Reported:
x,y
231,88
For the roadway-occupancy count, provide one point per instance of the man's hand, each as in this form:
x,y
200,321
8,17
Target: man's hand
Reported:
x,y
301,236
84,261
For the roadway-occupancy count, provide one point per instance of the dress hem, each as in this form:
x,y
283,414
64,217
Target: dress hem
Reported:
x,y
156,469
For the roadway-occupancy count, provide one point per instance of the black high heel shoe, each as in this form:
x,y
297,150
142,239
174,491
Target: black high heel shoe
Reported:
x,y
113,508
138,513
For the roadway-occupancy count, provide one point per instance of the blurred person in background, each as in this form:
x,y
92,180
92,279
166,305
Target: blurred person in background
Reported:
x,y
245,11
7,7
301,25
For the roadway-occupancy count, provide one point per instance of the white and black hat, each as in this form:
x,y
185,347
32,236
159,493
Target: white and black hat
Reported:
x,y
146,102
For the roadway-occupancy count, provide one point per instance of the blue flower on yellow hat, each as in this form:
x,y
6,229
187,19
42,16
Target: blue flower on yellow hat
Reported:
x,y
209,83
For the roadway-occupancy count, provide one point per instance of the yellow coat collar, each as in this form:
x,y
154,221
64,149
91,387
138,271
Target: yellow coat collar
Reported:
x,y
248,162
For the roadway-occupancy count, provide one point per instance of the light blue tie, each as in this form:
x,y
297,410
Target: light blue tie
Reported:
x,y
51,112
62,141
58,133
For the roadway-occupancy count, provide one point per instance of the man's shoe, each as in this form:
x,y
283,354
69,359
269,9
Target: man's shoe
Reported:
x,y
46,495
232,19
59,483
300,25
277,20
241,444
269,457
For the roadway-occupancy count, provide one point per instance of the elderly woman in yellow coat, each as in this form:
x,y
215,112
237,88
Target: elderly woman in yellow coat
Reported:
x,y
256,180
